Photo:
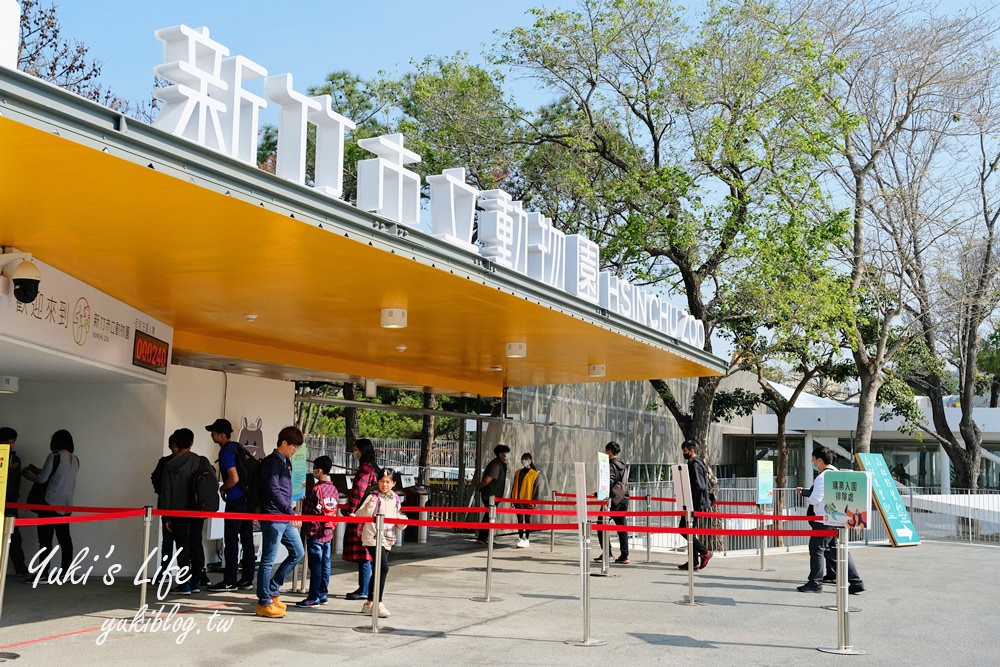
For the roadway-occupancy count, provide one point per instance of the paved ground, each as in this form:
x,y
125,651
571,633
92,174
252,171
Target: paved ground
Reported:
x,y
934,604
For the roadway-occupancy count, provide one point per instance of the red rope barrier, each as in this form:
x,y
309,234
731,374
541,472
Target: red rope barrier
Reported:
x,y
66,509
46,521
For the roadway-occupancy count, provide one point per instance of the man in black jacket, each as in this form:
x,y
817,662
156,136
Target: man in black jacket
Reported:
x,y
177,493
8,436
617,500
701,497
493,483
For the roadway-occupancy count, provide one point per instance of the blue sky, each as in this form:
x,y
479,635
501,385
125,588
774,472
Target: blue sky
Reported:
x,y
307,39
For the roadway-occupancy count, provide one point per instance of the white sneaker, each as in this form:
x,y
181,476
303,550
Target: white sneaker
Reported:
x,y
526,543
521,543
382,611
366,608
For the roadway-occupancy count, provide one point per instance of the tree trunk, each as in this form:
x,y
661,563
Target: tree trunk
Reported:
x,y
351,430
995,391
427,439
871,382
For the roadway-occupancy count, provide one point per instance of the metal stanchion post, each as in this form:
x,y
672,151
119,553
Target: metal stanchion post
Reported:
x,y
489,556
605,540
649,534
585,569
843,618
376,583
689,521
8,532
147,520
552,532
423,516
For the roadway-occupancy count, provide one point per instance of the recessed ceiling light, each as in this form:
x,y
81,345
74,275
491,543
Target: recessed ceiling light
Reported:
x,y
250,317
496,369
400,348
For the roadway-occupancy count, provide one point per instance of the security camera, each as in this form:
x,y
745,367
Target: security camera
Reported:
x,y
23,274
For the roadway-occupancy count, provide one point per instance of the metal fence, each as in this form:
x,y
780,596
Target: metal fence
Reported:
x,y
962,515
402,454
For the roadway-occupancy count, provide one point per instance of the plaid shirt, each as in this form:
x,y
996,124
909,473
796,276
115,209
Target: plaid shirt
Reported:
x,y
322,500
365,477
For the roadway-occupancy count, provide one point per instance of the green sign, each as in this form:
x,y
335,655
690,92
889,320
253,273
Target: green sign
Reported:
x,y
890,505
847,498
300,461
765,482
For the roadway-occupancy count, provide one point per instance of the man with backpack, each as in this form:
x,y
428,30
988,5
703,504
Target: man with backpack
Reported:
x,y
617,501
188,483
702,497
235,491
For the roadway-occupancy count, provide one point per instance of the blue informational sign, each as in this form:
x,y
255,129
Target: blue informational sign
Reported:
x,y
765,482
890,505
300,463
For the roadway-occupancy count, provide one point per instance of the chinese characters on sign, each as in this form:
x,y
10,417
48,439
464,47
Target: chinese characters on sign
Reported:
x,y
847,498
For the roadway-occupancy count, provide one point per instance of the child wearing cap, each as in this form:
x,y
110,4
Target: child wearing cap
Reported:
x,y
322,500
386,503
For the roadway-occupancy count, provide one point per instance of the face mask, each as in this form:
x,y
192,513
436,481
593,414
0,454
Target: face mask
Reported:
x,y
687,456
526,463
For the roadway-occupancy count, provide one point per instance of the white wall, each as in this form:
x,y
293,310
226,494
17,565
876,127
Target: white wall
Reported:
x,y
118,435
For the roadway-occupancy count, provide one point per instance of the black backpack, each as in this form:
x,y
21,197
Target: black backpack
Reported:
x,y
248,471
206,487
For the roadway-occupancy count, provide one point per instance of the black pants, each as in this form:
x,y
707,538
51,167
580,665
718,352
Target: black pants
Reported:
x,y
236,532
61,531
187,536
622,536
699,547
378,576
16,547
166,548
523,518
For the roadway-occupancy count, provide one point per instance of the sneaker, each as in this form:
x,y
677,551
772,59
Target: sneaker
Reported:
x,y
366,608
705,557
181,589
246,584
278,603
601,558
809,588
622,560
270,611
684,566
323,600
308,603
854,589
356,595
521,544
195,588
220,587
382,611
830,579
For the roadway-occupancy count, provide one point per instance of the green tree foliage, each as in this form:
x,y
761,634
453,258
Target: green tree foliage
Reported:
x,y
708,142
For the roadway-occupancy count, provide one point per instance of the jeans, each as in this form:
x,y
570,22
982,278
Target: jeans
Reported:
x,y
319,569
273,532
383,573
238,531
622,536
61,531
364,576
818,549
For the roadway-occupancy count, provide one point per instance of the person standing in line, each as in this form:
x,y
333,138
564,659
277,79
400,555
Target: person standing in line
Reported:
x,y
385,502
276,498
701,496
525,487
59,473
166,540
8,436
822,458
238,571
365,480
178,494
617,500
321,500
493,483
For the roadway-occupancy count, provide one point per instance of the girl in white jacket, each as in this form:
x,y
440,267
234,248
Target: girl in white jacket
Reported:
x,y
384,502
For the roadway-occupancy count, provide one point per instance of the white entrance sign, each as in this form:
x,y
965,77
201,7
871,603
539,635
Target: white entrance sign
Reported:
x,y
603,476
546,251
242,113
583,262
295,110
10,32
453,208
385,186
70,317
683,501
330,130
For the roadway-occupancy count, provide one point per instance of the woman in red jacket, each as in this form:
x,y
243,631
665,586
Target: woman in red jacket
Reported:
x,y
365,480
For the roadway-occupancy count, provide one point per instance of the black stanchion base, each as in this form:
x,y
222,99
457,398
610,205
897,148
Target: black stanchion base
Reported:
x,y
845,650
486,599
588,642
368,629
687,602
604,574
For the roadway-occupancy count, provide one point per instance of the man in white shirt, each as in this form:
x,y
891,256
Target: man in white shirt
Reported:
x,y
822,458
